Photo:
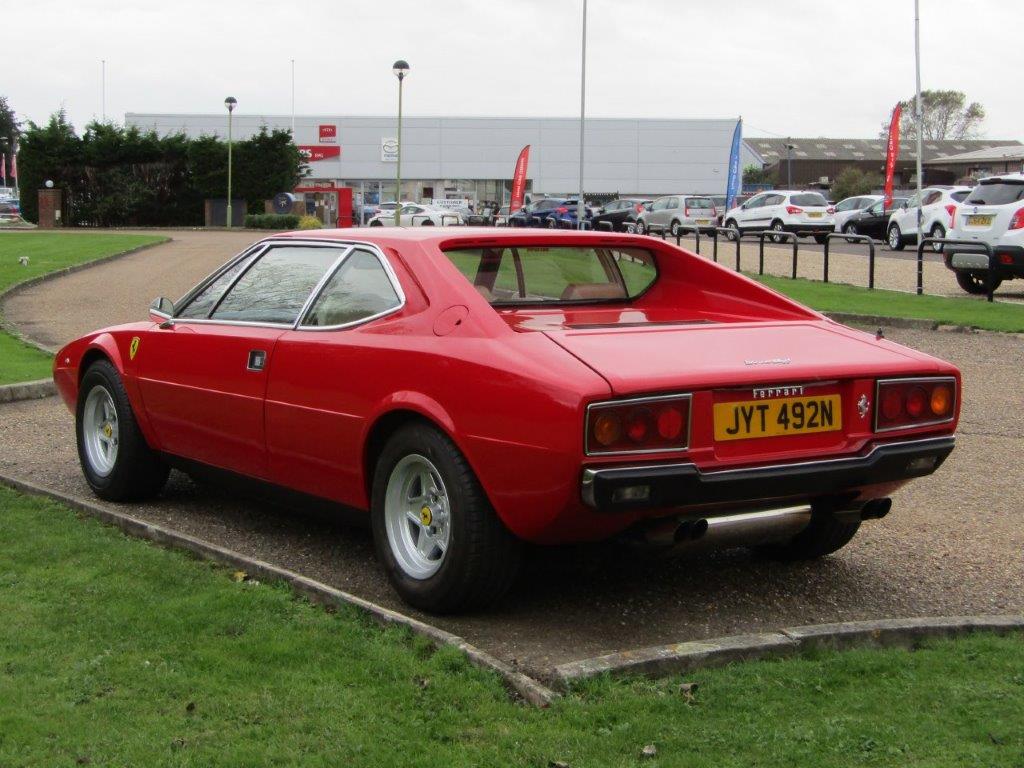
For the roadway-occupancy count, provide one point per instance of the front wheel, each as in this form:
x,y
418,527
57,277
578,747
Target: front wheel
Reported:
x,y
975,283
440,541
640,228
734,230
850,229
116,461
937,231
778,226
673,228
895,238
824,535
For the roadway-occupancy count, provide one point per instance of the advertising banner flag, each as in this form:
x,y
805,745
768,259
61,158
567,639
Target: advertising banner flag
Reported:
x,y
732,188
14,164
891,154
519,181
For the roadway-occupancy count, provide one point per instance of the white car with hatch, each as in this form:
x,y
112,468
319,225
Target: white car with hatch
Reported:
x,y
417,215
670,212
937,210
992,213
781,210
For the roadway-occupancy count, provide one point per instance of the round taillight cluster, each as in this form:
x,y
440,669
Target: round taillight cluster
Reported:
x,y
655,425
914,402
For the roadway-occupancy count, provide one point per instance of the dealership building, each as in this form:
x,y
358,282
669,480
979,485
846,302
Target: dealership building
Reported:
x,y
472,158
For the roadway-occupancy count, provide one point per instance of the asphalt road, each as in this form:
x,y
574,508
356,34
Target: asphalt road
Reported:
x,y
952,545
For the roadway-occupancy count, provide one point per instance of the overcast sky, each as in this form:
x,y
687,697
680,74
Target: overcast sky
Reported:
x,y
790,67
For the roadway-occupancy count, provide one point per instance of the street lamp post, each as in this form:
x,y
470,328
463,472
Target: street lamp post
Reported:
x,y
401,69
789,164
230,103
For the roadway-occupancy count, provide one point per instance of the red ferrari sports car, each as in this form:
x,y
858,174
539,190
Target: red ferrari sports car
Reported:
x,y
470,390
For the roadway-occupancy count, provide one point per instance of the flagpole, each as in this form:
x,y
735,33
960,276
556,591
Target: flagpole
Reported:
x,y
293,100
919,115
103,90
580,208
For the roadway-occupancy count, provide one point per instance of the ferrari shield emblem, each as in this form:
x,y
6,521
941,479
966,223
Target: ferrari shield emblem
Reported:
x,y
133,347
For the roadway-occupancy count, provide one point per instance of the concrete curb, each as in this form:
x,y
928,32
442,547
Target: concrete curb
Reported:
x,y
27,390
664,660
16,333
521,685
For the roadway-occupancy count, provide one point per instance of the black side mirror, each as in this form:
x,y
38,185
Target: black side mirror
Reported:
x,y
162,306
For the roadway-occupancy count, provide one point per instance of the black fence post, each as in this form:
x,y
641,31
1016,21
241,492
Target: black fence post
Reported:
x,y
920,264
828,240
714,245
760,253
738,238
871,264
696,235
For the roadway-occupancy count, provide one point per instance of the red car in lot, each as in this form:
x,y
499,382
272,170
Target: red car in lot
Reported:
x,y
472,390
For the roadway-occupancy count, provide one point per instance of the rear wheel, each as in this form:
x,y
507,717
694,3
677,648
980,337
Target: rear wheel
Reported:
x,y
441,543
116,461
640,228
895,237
937,231
777,226
734,230
850,229
673,228
975,283
824,535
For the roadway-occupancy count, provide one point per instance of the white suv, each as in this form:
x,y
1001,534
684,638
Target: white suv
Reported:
x,y
993,213
672,211
806,213
936,216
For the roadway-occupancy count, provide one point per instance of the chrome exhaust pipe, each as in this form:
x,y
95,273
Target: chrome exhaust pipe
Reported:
x,y
766,526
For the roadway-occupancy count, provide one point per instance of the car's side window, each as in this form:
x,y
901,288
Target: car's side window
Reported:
x,y
912,202
848,205
360,289
932,197
275,288
199,306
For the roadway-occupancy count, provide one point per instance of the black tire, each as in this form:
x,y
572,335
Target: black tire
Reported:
x,y
895,238
778,226
824,535
673,228
849,228
734,235
376,223
975,283
552,223
640,228
937,231
138,471
427,223
482,558
821,239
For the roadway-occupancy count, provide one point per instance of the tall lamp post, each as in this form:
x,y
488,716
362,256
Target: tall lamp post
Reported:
x,y
789,163
401,69
230,103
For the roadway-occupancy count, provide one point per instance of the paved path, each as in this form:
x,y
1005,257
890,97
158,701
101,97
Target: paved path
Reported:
x,y
951,546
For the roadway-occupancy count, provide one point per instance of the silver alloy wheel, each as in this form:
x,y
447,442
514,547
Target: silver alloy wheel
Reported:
x,y
894,237
778,226
100,433
674,228
937,231
417,516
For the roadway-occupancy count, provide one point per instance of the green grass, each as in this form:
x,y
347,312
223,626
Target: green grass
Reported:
x,y
48,252
839,297
117,652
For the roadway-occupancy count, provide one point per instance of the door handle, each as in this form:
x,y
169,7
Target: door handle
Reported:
x,y
257,359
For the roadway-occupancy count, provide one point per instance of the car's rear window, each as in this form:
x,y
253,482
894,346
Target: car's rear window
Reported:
x,y
997,193
699,202
808,198
516,275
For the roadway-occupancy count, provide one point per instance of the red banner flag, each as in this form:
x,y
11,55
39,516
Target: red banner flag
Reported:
x,y
891,154
519,181
14,164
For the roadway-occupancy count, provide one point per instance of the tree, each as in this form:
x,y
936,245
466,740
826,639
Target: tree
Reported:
x,y
9,130
945,115
853,181
753,174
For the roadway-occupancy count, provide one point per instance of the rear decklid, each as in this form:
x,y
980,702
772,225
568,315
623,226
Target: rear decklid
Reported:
x,y
708,355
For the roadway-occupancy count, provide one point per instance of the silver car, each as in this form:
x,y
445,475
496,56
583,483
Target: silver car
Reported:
x,y
671,212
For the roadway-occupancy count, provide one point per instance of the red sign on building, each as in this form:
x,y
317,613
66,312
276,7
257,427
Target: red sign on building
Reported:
x,y
315,153
328,134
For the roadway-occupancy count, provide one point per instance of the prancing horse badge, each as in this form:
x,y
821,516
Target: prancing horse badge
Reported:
x,y
133,347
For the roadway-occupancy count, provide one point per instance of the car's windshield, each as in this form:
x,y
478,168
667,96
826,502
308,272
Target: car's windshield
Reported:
x,y
999,192
517,275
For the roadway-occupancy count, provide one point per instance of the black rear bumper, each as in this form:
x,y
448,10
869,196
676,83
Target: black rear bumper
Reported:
x,y
683,484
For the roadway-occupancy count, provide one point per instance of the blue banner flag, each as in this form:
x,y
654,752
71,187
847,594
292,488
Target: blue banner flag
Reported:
x,y
733,187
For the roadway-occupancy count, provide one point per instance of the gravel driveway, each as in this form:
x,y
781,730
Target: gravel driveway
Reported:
x,y
954,543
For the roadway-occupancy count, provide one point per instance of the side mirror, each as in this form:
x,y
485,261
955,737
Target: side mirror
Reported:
x,y
903,204
162,306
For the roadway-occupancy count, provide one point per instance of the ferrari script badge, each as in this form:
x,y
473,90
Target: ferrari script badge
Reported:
x,y
863,405
133,347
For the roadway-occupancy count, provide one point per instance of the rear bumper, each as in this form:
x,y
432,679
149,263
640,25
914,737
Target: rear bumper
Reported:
x,y
977,260
684,485
820,229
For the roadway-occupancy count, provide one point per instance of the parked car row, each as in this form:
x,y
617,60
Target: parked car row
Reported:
x,y
781,210
415,215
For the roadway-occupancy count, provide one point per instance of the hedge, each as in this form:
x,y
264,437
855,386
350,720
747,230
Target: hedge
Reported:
x,y
272,221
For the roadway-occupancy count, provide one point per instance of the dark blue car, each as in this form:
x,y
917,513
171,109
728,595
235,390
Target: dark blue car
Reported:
x,y
551,212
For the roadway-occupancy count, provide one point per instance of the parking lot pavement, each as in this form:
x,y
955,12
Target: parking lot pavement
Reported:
x,y
952,544
120,291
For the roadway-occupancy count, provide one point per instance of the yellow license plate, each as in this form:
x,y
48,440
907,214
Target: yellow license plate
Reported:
x,y
979,221
703,221
815,215
774,418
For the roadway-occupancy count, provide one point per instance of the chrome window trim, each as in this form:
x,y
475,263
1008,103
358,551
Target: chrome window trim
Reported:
x,y
318,288
254,250
914,380
388,271
590,473
631,401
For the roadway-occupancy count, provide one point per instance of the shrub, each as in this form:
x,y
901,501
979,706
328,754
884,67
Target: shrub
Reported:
x,y
852,181
271,221
309,222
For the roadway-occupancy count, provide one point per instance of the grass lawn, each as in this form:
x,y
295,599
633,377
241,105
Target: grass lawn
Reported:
x,y
839,297
48,252
116,652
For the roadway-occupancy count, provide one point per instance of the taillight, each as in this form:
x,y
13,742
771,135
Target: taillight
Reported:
x,y
638,426
561,209
1017,222
830,210
639,207
907,403
791,209
951,210
686,211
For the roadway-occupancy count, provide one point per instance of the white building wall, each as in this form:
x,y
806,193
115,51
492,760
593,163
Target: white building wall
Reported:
x,y
623,156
